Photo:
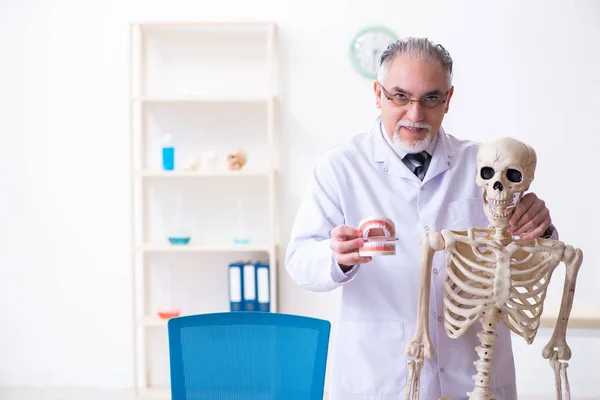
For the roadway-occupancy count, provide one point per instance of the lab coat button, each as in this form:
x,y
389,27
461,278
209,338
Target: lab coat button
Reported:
x,y
426,228
385,170
440,319
422,188
441,369
435,271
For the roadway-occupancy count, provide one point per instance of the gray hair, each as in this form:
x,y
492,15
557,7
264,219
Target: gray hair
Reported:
x,y
417,47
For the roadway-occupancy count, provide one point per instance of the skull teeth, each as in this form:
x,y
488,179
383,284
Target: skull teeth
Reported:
x,y
499,202
503,215
500,208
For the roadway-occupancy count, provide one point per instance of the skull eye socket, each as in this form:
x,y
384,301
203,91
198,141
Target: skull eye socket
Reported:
x,y
514,176
487,173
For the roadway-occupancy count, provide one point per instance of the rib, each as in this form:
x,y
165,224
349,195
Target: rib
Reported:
x,y
464,287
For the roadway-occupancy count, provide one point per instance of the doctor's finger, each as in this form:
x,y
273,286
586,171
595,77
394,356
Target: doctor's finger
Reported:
x,y
524,204
537,208
537,232
346,246
351,259
342,232
534,222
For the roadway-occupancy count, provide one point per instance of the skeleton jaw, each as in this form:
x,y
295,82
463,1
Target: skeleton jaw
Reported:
x,y
499,210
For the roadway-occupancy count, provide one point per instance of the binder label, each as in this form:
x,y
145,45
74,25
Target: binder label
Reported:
x,y
263,285
235,285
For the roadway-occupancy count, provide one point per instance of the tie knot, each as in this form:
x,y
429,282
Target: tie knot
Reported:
x,y
417,163
418,158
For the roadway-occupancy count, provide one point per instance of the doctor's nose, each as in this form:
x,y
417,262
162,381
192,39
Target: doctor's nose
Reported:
x,y
415,111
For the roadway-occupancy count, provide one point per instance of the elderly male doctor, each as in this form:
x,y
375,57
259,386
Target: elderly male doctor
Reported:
x,y
406,168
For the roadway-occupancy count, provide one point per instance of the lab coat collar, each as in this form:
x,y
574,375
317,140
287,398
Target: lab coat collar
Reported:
x,y
393,165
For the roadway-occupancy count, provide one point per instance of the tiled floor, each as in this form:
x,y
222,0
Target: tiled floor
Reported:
x,y
63,394
91,394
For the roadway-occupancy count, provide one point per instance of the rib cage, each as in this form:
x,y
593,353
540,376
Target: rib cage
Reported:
x,y
476,280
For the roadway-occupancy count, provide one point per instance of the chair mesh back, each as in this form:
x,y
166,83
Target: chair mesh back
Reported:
x,y
246,356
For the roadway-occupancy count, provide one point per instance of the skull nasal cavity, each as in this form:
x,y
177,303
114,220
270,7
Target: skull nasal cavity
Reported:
x,y
498,186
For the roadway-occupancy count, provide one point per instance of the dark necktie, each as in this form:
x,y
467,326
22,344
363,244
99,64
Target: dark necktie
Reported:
x,y
417,162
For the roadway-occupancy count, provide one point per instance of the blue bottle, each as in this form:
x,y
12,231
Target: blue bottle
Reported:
x,y
168,153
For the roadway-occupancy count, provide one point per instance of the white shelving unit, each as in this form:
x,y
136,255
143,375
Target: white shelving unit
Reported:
x,y
212,88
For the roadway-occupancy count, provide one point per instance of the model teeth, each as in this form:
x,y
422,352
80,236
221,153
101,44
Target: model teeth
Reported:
x,y
379,244
386,231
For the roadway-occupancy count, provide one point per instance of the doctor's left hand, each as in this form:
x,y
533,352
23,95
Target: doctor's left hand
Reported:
x,y
531,216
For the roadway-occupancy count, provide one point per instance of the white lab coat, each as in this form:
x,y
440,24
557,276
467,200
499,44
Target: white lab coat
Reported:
x,y
364,177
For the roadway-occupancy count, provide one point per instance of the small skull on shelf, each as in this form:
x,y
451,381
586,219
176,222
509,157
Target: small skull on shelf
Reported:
x,y
191,163
209,158
236,160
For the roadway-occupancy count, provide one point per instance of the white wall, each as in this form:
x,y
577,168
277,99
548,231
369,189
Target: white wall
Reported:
x,y
528,69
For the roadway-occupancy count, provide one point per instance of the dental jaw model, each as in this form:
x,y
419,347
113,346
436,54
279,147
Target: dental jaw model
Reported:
x,y
380,237
492,277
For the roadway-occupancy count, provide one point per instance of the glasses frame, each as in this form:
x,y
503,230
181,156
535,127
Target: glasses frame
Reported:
x,y
390,97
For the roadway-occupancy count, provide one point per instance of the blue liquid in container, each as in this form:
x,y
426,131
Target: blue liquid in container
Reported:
x,y
168,158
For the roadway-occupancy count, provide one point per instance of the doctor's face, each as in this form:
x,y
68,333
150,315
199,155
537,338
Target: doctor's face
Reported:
x,y
413,98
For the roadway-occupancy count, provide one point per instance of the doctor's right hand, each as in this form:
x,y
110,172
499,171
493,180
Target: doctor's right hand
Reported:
x,y
345,242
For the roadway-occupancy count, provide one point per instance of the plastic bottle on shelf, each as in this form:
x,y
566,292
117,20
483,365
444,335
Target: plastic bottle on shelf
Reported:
x,y
240,237
169,309
168,153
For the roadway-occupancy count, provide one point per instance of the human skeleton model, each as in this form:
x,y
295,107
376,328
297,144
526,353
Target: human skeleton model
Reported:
x,y
491,276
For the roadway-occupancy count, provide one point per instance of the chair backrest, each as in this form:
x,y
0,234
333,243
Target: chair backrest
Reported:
x,y
247,356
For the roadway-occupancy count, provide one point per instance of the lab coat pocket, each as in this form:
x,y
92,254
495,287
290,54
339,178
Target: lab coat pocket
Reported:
x,y
466,213
372,357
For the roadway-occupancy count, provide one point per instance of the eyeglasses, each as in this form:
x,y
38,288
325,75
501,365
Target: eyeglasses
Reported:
x,y
401,99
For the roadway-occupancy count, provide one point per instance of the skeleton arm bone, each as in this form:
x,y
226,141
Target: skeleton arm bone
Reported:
x,y
420,346
557,350
573,259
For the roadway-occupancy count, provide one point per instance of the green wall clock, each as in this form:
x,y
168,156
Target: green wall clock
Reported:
x,y
366,48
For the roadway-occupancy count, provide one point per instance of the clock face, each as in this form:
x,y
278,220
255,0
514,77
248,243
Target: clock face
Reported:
x,y
366,48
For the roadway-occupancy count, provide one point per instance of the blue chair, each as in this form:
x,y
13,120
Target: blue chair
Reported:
x,y
247,356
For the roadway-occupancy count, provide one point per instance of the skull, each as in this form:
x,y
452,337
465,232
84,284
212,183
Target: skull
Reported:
x,y
505,169
236,160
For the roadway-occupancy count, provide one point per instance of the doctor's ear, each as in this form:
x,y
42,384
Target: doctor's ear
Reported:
x,y
377,90
447,105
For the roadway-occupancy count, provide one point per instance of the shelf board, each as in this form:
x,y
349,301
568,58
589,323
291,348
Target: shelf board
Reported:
x,y
204,99
583,316
203,25
152,321
154,393
220,247
205,174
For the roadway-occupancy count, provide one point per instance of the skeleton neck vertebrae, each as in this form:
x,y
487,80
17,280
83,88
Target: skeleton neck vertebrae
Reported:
x,y
492,277
501,236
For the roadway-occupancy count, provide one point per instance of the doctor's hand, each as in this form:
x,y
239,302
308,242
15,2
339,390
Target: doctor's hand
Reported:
x,y
531,216
345,241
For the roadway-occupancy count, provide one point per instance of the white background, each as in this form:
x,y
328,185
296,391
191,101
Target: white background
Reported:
x,y
526,69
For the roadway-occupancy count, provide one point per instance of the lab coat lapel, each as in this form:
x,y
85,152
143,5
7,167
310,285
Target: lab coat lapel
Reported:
x,y
440,160
392,164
